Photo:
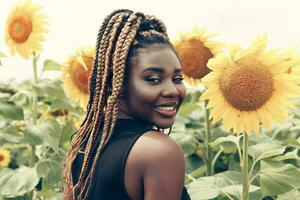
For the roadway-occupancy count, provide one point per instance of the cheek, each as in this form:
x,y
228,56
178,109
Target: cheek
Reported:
x,y
142,95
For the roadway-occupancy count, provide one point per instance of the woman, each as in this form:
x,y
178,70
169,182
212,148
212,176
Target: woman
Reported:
x,y
120,151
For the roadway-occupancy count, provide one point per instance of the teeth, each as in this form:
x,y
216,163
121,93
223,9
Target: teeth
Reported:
x,y
166,108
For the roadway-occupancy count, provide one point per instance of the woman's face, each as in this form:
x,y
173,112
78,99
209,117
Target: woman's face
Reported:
x,y
155,89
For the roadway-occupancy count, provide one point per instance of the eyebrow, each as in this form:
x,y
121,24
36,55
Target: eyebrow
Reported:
x,y
160,70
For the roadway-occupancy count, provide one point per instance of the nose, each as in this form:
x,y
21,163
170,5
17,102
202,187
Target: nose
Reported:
x,y
170,90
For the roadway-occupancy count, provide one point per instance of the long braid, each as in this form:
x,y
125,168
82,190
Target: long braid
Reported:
x,y
92,80
97,118
90,112
100,83
119,58
121,34
93,75
74,146
116,87
81,134
120,62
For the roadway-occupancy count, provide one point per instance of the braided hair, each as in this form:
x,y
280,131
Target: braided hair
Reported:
x,y
120,35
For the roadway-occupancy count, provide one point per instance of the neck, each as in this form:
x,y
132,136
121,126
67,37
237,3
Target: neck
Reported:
x,y
123,112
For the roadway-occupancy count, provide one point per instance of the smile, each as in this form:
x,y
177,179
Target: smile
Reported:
x,y
167,111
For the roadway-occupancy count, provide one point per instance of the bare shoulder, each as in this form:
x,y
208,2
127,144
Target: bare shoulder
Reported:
x,y
156,146
159,161
153,148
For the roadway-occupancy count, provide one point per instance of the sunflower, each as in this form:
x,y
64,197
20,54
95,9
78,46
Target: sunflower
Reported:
x,y
249,87
4,157
25,29
293,60
194,49
75,75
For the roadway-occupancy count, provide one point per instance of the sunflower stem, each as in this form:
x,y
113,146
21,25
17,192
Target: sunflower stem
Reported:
x,y
35,81
209,153
245,171
34,107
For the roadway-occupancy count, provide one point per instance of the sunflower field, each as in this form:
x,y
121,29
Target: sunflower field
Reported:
x,y
239,126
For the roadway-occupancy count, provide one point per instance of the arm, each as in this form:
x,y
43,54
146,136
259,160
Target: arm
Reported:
x,y
163,171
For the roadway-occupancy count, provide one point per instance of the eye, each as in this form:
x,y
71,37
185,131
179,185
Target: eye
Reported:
x,y
178,79
153,80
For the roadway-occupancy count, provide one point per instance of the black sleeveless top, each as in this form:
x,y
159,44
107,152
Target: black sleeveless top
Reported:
x,y
108,180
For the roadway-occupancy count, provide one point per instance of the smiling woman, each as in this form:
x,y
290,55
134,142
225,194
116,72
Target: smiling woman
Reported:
x,y
136,89
155,89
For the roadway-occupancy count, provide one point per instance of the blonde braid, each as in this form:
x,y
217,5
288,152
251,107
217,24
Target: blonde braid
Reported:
x,y
103,46
118,77
96,119
76,142
120,68
118,62
161,25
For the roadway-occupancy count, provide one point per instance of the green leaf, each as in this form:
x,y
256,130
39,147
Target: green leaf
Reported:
x,y
50,170
186,141
187,108
192,96
277,178
236,190
201,189
51,132
11,134
199,171
213,186
60,103
68,130
289,155
11,111
32,135
265,150
295,128
48,133
293,194
192,163
49,88
21,98
49,194
226,178
225,140
51,65
17,182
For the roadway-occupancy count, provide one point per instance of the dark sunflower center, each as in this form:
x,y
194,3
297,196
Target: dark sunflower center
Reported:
x,y
194,57
247,87
80,76
20,29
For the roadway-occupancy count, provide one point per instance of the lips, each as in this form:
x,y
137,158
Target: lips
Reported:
x,y
167,109
168,104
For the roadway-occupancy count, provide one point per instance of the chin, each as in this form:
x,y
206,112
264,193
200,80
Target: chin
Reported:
x,y
164,123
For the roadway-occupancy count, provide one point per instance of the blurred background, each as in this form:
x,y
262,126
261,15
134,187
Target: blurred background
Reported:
x,y
74,24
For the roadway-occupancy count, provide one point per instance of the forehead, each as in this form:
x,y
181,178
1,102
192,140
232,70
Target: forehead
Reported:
x,y
155,56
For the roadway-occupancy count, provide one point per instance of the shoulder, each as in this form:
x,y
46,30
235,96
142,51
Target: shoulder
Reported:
x,y
156,146
155,149
155,168
161,165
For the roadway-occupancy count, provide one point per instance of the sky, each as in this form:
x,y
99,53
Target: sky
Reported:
x,y
75,23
